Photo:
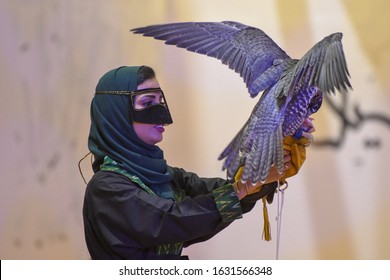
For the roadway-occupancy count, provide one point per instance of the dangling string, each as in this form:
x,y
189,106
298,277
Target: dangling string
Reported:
x,y
267,226
79,164
281,189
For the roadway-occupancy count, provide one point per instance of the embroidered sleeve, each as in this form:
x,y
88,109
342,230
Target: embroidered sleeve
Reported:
x,y
228,203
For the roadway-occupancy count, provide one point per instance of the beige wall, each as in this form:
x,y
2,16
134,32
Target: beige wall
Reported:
x,y
53,52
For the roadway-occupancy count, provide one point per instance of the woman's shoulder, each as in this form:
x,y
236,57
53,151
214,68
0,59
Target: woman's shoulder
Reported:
x,y
110,180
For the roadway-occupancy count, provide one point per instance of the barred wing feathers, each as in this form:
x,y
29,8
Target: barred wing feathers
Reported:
x,y
245,49
324,66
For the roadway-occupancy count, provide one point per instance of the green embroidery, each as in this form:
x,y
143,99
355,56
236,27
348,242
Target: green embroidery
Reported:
x,y
111,165
179,194
228,203
170,249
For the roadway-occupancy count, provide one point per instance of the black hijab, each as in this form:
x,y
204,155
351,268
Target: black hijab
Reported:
x,y
112,133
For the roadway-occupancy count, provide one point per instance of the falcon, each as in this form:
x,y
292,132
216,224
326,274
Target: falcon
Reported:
x,y
292,89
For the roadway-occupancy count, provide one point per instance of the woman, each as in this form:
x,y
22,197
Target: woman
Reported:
x,y
136,206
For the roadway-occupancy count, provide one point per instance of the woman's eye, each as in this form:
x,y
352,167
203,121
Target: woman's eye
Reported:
x,y
147,104
143,101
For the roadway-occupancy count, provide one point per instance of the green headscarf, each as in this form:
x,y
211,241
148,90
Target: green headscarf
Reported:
x,y
112,134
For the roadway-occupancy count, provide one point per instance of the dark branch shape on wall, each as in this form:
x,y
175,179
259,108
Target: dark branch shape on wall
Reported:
x,y
347,124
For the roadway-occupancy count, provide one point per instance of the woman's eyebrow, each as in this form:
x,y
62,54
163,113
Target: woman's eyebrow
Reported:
x,y
151,95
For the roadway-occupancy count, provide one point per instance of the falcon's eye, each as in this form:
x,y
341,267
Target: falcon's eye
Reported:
x,y
315,103
314,108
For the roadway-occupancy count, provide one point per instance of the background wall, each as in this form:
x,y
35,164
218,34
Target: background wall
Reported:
x,y
53,52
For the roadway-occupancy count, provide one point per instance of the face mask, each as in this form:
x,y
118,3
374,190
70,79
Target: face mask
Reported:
x,y
146,105
149,106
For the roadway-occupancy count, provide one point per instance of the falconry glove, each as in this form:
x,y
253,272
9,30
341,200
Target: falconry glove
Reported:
x,y
297,148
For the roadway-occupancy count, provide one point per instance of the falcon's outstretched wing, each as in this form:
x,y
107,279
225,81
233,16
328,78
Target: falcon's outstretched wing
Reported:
x,y
324,66
245,49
